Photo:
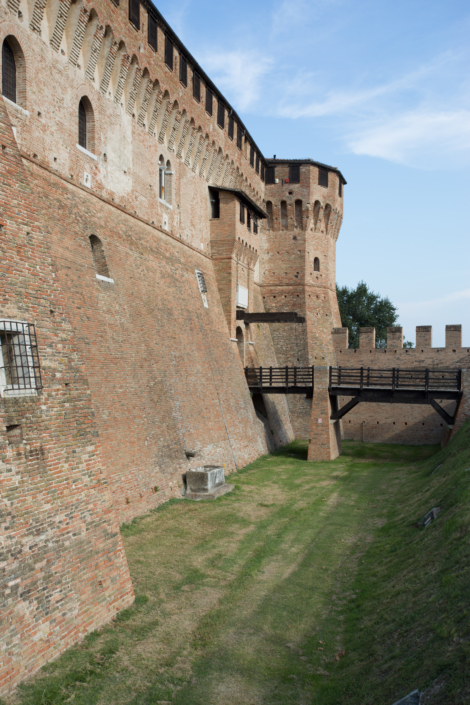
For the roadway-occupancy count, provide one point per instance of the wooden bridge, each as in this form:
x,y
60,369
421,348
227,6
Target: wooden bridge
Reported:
x,y
363,384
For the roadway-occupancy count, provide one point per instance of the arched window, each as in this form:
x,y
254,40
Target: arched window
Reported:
x,y
241,345
316,265
99,259
168,182
161,179
86,125
298,213
283,214
8,72
269,211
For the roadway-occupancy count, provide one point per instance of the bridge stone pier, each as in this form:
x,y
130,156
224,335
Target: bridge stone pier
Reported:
x,y
325,434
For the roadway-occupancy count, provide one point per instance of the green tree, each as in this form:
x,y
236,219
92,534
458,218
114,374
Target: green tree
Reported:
x,y
362,308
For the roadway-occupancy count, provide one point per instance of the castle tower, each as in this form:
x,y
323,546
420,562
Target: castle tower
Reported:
x,y
304,203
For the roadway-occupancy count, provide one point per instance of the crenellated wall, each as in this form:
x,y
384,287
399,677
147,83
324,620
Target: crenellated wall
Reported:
x,y
399,423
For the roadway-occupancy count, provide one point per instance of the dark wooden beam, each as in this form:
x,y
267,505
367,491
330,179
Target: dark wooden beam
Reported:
x,y
336,415
442,412
280,317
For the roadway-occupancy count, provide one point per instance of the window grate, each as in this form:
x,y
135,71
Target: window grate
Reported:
x,y
82,131
294,174
19,360
270,174
8,72
323,177
152,32
239,136
168,52
197,87
134,13
183,70
208,100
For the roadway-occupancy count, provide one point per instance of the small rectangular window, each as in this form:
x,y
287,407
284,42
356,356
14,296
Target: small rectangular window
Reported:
x,y
152,32
215,204
208,100
134,13
323,177
231,125
242,213
239,137
252,156
340,187
248,219
168,52
183,70
197,87
294,174
257,163
221,114
270,174
20,373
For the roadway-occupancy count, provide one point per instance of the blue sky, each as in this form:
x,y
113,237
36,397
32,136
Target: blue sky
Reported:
x,y
381,90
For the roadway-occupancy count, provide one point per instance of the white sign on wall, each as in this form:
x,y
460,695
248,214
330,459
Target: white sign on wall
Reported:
x,y
242,297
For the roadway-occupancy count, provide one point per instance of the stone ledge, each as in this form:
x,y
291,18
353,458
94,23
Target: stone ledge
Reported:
x,y
217,492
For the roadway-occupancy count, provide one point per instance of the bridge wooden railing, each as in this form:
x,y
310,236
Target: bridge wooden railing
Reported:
x,y
395,378
282,377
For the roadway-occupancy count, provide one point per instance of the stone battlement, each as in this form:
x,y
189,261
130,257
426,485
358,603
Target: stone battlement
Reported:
x,y
367,338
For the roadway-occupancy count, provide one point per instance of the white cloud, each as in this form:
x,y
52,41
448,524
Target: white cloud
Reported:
x,y
407,138
238,74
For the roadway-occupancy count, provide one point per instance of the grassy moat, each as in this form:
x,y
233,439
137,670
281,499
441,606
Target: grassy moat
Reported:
x,y
309,583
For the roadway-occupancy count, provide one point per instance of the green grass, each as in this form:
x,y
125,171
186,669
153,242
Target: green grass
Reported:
x,y
309,583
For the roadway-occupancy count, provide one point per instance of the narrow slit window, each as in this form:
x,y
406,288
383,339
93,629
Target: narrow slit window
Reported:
x,y
340,188
323,177
252,156
231,125
183,70
134,13
263,172
255,225
316,265
283,214
248,219
257,164
221,114
82,125
8,72
242,213
20,373
215,204
269,211
197,87
152,32
208,100
168,52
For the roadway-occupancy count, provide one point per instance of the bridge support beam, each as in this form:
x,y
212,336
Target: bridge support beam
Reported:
x,y
325,434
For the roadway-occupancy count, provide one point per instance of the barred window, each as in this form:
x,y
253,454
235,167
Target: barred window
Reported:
x,y
221,114
134,13
208,100
20,373
239,136
270,174
183,70
231,126
152,32
197,87
168,52
8,72
323,177
294,174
